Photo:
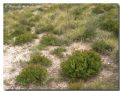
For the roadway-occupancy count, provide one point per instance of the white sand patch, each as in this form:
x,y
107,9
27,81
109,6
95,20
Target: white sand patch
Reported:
x,y
12,56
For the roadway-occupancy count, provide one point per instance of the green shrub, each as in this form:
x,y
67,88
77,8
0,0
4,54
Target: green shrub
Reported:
x,y
38,59
101,47
58,51
82,64
32,74
24,38
51,40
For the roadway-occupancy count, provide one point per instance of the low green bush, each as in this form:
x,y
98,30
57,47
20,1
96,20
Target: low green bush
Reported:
x,y
58,52
24,38
81,64
32,74
38,59
51,40
101,47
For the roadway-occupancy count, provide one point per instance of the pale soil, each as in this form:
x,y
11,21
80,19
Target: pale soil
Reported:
x,y
13,54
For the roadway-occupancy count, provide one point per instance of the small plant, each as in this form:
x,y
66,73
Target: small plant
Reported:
x,y
18,32
99,9
7,38
110,22
51,40
58,52
75,85
24,38
101,47
38,59
88,35
92,85
44,28
32,74
41,46
82,64
90,30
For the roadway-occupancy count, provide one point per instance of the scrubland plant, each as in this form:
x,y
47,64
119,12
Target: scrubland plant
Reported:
x,y
39,59
32,74
81,64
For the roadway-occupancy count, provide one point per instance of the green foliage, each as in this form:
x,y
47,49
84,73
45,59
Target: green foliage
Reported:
x,y
82,64
91,85
102,8
51,40
75,86
101,47
44,28
32,74
90,30
109,22
58,52
17,32
38,59
24,38
41,46
7,38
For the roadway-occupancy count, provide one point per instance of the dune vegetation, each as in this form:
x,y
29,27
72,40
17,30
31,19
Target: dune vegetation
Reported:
x,y
61,46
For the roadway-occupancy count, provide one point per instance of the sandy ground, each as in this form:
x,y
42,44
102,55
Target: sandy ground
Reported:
x,y
13,55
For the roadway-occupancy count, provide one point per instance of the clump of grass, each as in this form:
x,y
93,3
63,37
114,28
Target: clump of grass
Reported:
x,y
58,52
51,40
38,59
24,38
17,32
7,38
99,9
75,85
41,46
75,35
101,47
82,64
90,30
44,28
92,85
32,74
110,22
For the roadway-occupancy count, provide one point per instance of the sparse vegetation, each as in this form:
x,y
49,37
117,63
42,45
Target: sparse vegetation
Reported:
x,y
58,52
75,43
